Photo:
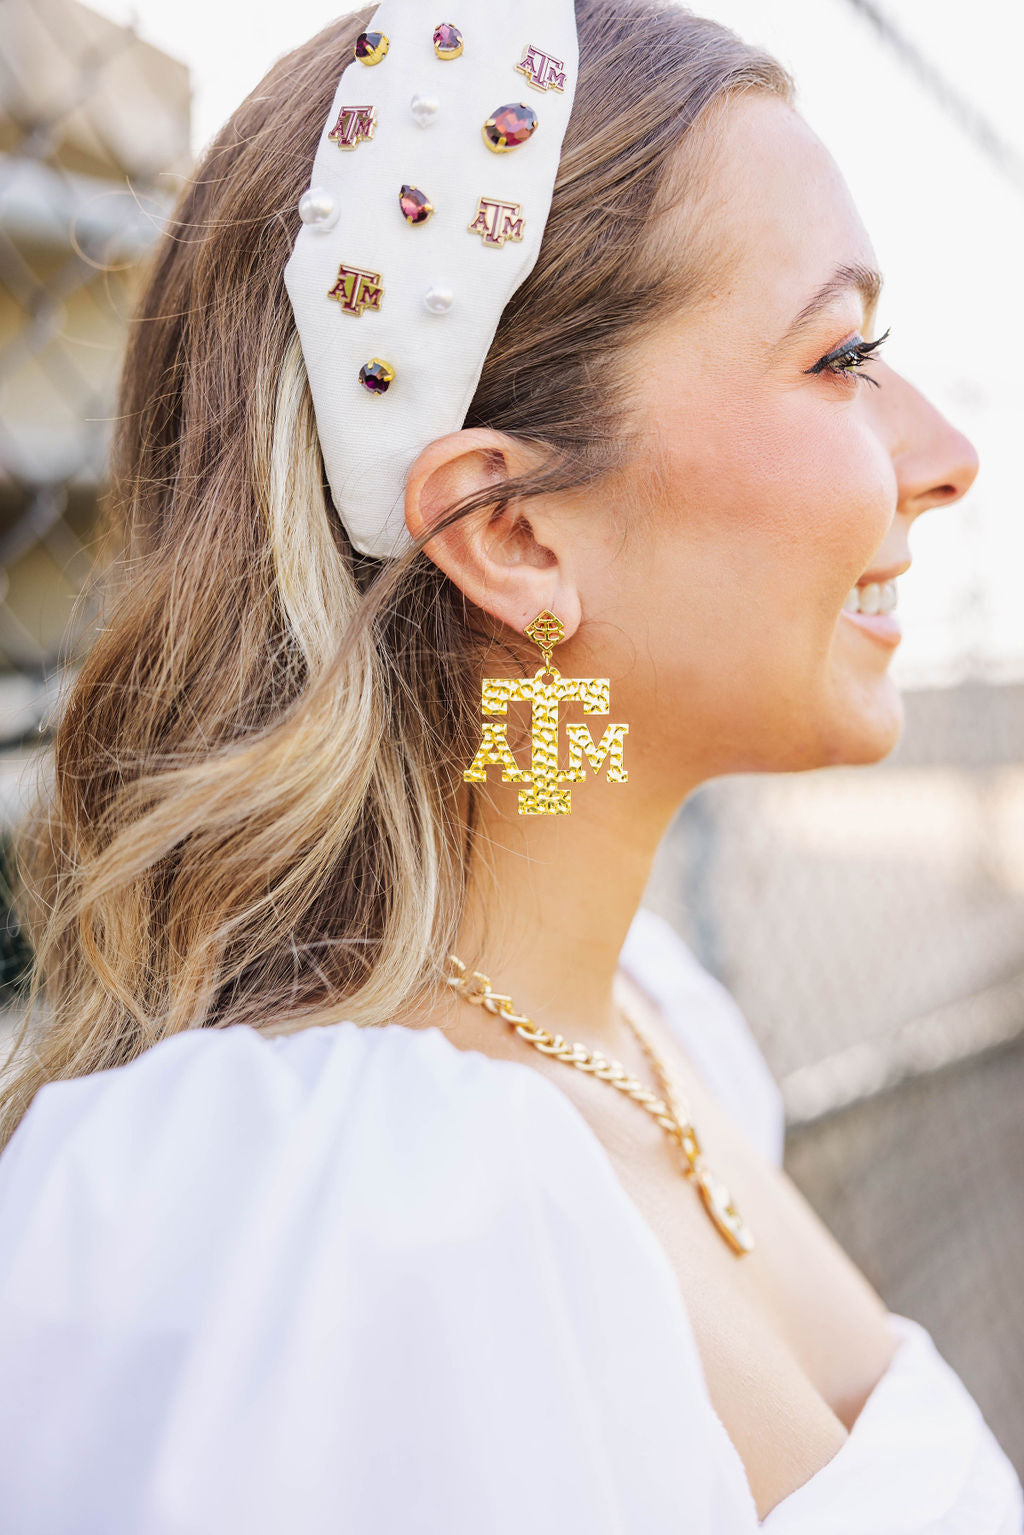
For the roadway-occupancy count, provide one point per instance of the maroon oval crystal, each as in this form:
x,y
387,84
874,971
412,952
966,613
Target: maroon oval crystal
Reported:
x,y
416,205
510,125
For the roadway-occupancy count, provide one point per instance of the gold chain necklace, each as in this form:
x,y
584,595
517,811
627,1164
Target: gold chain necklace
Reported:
x,y
670,1112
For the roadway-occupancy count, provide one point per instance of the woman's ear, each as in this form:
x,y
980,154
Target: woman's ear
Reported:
x,y
510,564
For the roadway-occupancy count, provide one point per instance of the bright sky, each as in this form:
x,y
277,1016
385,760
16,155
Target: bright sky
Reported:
x,y
947,227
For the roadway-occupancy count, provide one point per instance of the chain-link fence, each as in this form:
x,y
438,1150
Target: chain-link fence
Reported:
x,y
93,123
93,130
870,922
93,136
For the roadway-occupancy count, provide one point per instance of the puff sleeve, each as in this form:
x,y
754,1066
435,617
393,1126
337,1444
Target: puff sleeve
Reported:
x,y
349,1280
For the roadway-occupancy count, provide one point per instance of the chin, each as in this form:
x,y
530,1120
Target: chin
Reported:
x,y
867,727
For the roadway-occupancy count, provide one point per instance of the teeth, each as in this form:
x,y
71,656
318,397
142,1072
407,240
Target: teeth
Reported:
x,y
870,598
876,597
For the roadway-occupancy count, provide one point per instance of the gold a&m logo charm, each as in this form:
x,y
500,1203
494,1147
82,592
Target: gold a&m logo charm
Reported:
x,y
497,221
354,125
356,289
542,70
541,792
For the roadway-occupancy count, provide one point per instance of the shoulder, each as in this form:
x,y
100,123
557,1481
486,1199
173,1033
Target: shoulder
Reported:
x,y
203,1122
245,1273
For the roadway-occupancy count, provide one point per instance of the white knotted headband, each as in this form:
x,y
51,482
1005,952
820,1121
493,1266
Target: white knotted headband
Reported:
x,y
427,201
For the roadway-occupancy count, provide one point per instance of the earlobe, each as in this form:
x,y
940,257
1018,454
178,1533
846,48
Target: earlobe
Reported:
x,y
493,555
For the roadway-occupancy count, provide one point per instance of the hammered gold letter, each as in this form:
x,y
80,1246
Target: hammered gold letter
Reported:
x,y
494,748
581,745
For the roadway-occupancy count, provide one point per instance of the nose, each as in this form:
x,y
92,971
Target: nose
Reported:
x,y
935,463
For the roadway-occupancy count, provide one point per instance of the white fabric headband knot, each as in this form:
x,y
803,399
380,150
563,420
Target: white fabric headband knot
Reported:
x,y
427,201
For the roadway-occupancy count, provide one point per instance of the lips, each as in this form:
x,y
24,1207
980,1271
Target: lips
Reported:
x,y
871,605
881,575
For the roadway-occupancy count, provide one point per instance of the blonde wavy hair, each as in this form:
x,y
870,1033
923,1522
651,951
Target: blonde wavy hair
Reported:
x,y
253,809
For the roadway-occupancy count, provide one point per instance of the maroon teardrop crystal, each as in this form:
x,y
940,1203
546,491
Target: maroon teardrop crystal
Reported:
x,y
510,126
447,41
416,205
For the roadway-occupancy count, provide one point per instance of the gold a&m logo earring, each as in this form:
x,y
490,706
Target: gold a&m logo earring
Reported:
x,y
541,792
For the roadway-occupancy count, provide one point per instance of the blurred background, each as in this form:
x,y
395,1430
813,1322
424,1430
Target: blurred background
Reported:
x,y
870,922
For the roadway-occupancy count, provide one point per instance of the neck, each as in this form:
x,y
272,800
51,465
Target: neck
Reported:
x,y
551,899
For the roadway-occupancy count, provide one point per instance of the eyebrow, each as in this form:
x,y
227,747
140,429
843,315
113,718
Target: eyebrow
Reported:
x,y
867,281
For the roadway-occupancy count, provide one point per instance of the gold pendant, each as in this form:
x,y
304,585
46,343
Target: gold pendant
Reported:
x,y
544,691
719,1204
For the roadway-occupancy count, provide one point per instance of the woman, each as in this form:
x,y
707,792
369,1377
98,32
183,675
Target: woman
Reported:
x,y
291,1236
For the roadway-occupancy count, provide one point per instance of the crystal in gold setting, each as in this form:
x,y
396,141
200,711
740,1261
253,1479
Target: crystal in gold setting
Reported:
x,y
545,691
509,126
447,41
377,375
371,47
415,205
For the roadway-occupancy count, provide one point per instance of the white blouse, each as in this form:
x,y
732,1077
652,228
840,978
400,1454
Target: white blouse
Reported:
x,y
363,1282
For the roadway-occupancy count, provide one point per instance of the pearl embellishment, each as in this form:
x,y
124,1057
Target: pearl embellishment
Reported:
x,y
439,299
424,109
318,208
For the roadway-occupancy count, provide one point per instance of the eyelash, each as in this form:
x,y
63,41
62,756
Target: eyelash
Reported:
x,y
859,351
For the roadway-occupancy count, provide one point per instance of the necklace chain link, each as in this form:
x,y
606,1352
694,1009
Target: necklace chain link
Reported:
x,y
670,1111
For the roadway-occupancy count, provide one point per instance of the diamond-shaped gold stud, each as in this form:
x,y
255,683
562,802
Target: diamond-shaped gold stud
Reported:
x,y
546,630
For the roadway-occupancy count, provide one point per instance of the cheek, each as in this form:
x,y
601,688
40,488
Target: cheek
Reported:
x,y
780,507
759,529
